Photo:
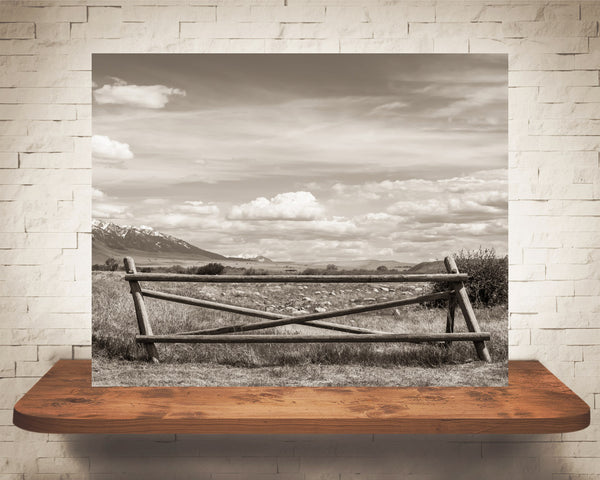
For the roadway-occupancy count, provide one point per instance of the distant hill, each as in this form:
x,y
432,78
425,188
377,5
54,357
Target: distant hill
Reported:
x,y
436,266
144,244
363,264
259,259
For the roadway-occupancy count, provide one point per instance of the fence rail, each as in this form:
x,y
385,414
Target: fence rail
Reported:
x,y
359,338
407,278
456,296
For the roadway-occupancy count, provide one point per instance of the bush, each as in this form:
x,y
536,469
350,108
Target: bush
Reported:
x,y
177,269
112,264
312,271
210,269
488,276
255,271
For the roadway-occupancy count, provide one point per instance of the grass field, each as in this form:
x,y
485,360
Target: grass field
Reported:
x,y
118,360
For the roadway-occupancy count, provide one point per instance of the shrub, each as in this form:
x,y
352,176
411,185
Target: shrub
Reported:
x,y
488,276
382,268
111,264
312,271
210,269
255,271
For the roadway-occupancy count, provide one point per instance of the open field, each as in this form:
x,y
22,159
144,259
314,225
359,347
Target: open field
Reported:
x,y
117,356
145,259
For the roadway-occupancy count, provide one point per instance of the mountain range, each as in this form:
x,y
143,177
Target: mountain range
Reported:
x,y
151,247
144,244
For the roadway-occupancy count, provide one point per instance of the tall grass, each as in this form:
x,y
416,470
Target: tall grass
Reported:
x,y
115,327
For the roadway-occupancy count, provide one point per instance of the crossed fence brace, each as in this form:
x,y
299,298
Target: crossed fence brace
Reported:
x,y
457,295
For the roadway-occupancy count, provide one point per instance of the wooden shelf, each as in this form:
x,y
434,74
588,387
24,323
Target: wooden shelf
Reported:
x,y
63,401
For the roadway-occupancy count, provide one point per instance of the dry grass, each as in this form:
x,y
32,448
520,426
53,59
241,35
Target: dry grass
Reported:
x,y
116,355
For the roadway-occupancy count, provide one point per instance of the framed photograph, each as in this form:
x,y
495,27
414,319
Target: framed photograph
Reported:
x,y
300,220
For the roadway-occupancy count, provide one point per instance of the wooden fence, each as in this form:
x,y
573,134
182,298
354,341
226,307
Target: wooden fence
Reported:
x,y
456,295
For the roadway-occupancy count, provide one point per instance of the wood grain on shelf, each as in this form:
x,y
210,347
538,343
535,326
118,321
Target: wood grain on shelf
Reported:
x,y
535,401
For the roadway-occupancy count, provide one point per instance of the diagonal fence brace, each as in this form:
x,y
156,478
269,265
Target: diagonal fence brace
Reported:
x,y
249,312
301,319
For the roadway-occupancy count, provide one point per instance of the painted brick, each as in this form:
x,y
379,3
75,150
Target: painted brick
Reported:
x,y
324,31
584,336
561,11
9,160
570,353
50,78
589,60
447,12
82,352
574,305
547,61
453,29
347,14
579,94
55,32
543,78
408,45
70,95
50,336
564,127
262,13
48,14
63,465
16,30
487,45
158,14
450,45
519,337
33,369
302,45
590,11
391,30
230,30
527,272
564,45
560,27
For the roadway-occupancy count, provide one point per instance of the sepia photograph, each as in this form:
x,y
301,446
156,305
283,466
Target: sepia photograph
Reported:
x,y
311,220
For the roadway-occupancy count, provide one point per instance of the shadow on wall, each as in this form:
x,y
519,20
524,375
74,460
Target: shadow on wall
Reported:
x,y
304,457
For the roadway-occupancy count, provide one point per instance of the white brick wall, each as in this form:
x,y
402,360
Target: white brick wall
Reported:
x,y
554,143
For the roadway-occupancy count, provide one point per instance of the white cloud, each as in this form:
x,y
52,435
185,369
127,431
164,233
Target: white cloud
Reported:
x,y
187,215
476,205
145,96
283,206
471,103
198,208
112,150
96,193
109,211
154,201
391,108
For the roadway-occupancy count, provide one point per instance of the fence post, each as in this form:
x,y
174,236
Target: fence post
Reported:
x,y
467,310
140,310
450,317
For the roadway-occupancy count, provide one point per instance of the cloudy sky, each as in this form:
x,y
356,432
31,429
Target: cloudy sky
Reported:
x,y
305,157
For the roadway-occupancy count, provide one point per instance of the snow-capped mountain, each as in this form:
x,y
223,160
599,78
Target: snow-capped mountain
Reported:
x,y
112,240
